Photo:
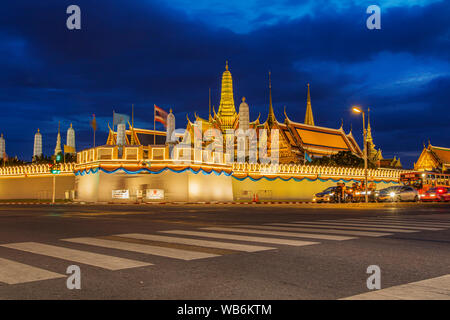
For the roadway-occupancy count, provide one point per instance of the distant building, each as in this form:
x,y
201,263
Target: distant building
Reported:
x,y
375,156
433,158
2,147
37,148
58,149
71,139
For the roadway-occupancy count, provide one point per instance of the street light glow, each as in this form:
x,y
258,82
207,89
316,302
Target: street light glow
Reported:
x,y
356,109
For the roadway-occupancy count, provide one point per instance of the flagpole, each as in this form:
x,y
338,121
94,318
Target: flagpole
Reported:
x,y
154,125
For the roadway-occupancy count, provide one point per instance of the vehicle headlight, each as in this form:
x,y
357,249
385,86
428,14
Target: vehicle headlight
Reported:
x,y
332,193
432,195
358,193
392,194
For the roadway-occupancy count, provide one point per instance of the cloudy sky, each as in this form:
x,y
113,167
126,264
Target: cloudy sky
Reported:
x,y
170,52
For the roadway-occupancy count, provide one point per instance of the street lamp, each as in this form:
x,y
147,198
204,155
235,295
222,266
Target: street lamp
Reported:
x,y
357,109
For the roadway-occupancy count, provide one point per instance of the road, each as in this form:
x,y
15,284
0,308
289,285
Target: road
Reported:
x,y
221,251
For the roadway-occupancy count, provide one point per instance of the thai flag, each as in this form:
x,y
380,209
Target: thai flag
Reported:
x,y
160,115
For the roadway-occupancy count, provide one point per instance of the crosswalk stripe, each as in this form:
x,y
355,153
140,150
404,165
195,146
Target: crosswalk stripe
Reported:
x,y
89,258
394,223
361,224
430,289
413,219
143,248
291,227
12,272
335,226
242,238
250,229
197,242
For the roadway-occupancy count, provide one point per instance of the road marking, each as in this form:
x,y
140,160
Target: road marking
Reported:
x,y
395,223
431,289
196,242
376,225
12,272
89,258
420,220
291,227
249,229
143,248
242,238
335,226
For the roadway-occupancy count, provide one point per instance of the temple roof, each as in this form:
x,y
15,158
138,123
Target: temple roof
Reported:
x,y
141,137
442,154
322,140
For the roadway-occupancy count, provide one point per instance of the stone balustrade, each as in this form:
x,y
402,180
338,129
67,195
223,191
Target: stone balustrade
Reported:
x,y
321,171
35,169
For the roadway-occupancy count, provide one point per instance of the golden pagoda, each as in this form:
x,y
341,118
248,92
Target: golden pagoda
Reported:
x,y
227,115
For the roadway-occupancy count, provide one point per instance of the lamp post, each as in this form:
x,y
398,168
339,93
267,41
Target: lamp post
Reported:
x,y
356,109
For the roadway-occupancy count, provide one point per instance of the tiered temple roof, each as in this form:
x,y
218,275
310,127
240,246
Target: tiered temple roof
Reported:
x,y
433,158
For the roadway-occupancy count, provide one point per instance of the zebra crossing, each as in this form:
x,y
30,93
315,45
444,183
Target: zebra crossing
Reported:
x,y
201,243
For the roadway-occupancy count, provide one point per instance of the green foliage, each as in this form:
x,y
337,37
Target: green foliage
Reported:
x,y
42,159
11,162
341,159
70,157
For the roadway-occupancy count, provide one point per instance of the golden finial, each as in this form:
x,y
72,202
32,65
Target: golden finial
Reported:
x,y
226,65
270,82
170,110
71,124
243,99
38,130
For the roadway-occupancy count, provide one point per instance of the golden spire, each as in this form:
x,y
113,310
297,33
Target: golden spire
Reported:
x,y
271,117
369,129
309,119
227,111
132,140
210,118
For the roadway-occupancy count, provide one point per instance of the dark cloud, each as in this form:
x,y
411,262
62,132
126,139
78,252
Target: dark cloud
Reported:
x,y
147,53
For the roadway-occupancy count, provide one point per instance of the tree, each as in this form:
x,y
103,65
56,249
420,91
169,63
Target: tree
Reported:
x,y
341,159
42,159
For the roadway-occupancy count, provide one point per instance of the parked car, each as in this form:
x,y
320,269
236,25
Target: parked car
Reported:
x,y
436,194
327,195
397,194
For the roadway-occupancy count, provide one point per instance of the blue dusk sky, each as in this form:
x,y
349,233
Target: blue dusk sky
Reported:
x,y
170,52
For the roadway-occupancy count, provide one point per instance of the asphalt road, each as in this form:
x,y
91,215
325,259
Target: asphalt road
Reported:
x,y
328,260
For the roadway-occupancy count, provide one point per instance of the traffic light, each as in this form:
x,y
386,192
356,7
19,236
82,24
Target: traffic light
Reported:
x,y
54,169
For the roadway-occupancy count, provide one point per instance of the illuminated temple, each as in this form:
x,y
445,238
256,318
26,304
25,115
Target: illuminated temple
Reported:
x,y
298,141
142,165
295,138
